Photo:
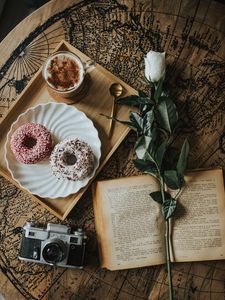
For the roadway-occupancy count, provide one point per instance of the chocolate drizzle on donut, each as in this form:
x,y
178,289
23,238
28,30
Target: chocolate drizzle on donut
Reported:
x,y
72,160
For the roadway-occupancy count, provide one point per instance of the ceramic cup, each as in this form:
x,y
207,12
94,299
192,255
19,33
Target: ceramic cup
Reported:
x,y
64,73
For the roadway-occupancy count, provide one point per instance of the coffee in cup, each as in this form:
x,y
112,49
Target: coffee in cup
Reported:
x,y
64,73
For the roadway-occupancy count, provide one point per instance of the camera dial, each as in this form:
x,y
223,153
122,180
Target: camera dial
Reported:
x,y
54,251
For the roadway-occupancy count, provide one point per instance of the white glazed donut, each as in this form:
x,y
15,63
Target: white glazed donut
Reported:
x,y
72,159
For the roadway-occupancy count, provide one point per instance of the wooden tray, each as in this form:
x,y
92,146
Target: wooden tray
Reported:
x,y
97,100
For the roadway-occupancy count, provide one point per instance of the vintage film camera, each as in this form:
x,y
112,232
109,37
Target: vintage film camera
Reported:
x,y
54,245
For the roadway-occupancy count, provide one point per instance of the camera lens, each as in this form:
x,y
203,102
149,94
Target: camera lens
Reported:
x,y
54,252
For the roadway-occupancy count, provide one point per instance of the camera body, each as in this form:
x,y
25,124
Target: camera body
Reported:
x,y
53,245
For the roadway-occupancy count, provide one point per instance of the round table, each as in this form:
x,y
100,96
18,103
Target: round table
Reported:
x,y
117,34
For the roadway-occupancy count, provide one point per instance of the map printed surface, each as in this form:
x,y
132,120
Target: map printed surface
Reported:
x,y
117,35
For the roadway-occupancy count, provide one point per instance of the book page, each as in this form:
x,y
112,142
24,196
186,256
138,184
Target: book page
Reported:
x,y
129,223
198,231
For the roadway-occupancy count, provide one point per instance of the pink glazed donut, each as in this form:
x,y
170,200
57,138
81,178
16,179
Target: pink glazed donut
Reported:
x,y
31,143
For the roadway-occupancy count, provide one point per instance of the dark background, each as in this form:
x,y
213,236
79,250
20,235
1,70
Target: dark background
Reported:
x,y
14,11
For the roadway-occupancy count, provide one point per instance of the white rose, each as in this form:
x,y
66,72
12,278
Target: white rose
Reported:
x,y
155,66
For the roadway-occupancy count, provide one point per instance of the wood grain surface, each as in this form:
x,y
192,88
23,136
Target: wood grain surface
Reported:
x,y
117,35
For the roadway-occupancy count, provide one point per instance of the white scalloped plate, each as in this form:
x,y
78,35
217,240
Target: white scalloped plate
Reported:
x,y
63,121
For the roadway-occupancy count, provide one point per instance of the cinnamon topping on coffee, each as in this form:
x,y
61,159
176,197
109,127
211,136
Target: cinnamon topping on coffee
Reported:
x,y
64,72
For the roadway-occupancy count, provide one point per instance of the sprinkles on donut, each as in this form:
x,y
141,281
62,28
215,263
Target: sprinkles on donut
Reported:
x,y
72,159
31,143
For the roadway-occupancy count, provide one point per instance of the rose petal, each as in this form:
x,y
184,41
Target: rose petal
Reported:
x,y
155,65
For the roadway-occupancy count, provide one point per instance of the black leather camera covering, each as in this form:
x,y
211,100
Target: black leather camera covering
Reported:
x,y
76,255
28,246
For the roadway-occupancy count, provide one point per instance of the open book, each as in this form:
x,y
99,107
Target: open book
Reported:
x,y
130,226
